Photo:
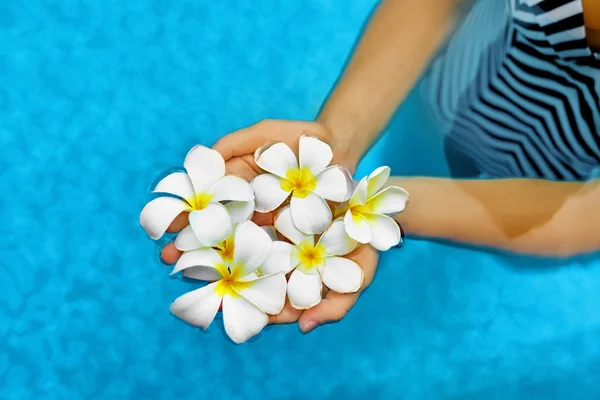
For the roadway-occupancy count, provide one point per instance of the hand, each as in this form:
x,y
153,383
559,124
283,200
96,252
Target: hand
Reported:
x,y
238,150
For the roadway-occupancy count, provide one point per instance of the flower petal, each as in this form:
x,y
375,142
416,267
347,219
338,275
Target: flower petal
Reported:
x,y
336,241
207,258
204,167
391,200
271,231
314,154
177,183
377,179
359,197
268,192
186,240
357,227
311,214
333,183
276,158
198,307
231,188
252,246
240,210
267,292
279,260
212,224
304,291
386,232
342,275
285,226
157,215
242,319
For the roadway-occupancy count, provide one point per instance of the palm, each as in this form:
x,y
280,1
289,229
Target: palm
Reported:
x,y
238,151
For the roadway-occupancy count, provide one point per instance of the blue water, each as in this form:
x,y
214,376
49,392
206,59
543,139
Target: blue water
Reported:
x,y
99,97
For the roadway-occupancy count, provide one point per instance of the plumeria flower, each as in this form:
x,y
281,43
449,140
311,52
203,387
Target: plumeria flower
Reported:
x,y
314,264
367,217
245,298
310,182
215,201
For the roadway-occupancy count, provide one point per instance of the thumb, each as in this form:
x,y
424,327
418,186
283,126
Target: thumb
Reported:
x,y
246,140
331,309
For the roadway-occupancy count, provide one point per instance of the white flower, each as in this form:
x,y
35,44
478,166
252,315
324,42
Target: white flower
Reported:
x,y
201,192
246,299
310,182
314,264
367,218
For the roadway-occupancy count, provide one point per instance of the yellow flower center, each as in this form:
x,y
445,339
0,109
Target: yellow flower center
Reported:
x,y
362,209
299,180
310,256
230,284
226,248
200,201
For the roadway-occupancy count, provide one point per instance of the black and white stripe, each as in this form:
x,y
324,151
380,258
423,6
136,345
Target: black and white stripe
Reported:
x,y
517,90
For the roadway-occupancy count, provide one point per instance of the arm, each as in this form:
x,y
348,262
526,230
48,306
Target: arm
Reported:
x,y
396,46
520,215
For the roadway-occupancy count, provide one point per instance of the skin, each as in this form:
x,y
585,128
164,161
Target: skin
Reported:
x,y
518,215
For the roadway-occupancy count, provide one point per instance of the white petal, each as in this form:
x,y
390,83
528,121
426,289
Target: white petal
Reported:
x,y
276,158
252,246
177,183
311,214
186,240
204,167
207,258
231,188
314,154
285,226
198,307
268,192
157,215
333,183
240,210
391,200
211,225
304,291
267,292
386,232
336,241
377,179
271,231
357,227
242,319
359,197
279,260
342,275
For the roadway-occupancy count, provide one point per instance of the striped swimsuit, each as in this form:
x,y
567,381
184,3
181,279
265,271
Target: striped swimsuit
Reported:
x,y
517,92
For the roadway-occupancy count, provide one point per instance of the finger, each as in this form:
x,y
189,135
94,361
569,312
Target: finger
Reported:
x,y
263,219
180,222
170,254
247,140
331,309
288,315
244,167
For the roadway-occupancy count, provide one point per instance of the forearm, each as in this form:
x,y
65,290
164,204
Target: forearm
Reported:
x,y
396,46
518,215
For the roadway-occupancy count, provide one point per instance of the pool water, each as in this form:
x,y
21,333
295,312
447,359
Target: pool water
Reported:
x,y
98,97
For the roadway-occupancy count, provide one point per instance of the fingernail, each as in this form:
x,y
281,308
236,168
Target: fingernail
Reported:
x,y
309,326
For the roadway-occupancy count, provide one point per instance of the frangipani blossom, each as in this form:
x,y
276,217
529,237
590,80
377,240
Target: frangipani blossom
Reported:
x,y
215,201
310,182
246,299
367,218
314,264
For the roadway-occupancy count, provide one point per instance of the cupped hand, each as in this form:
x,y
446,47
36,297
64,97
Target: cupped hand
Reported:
x,y
238,150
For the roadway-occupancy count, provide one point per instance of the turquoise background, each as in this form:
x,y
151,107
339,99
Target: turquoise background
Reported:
x,y
98,97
